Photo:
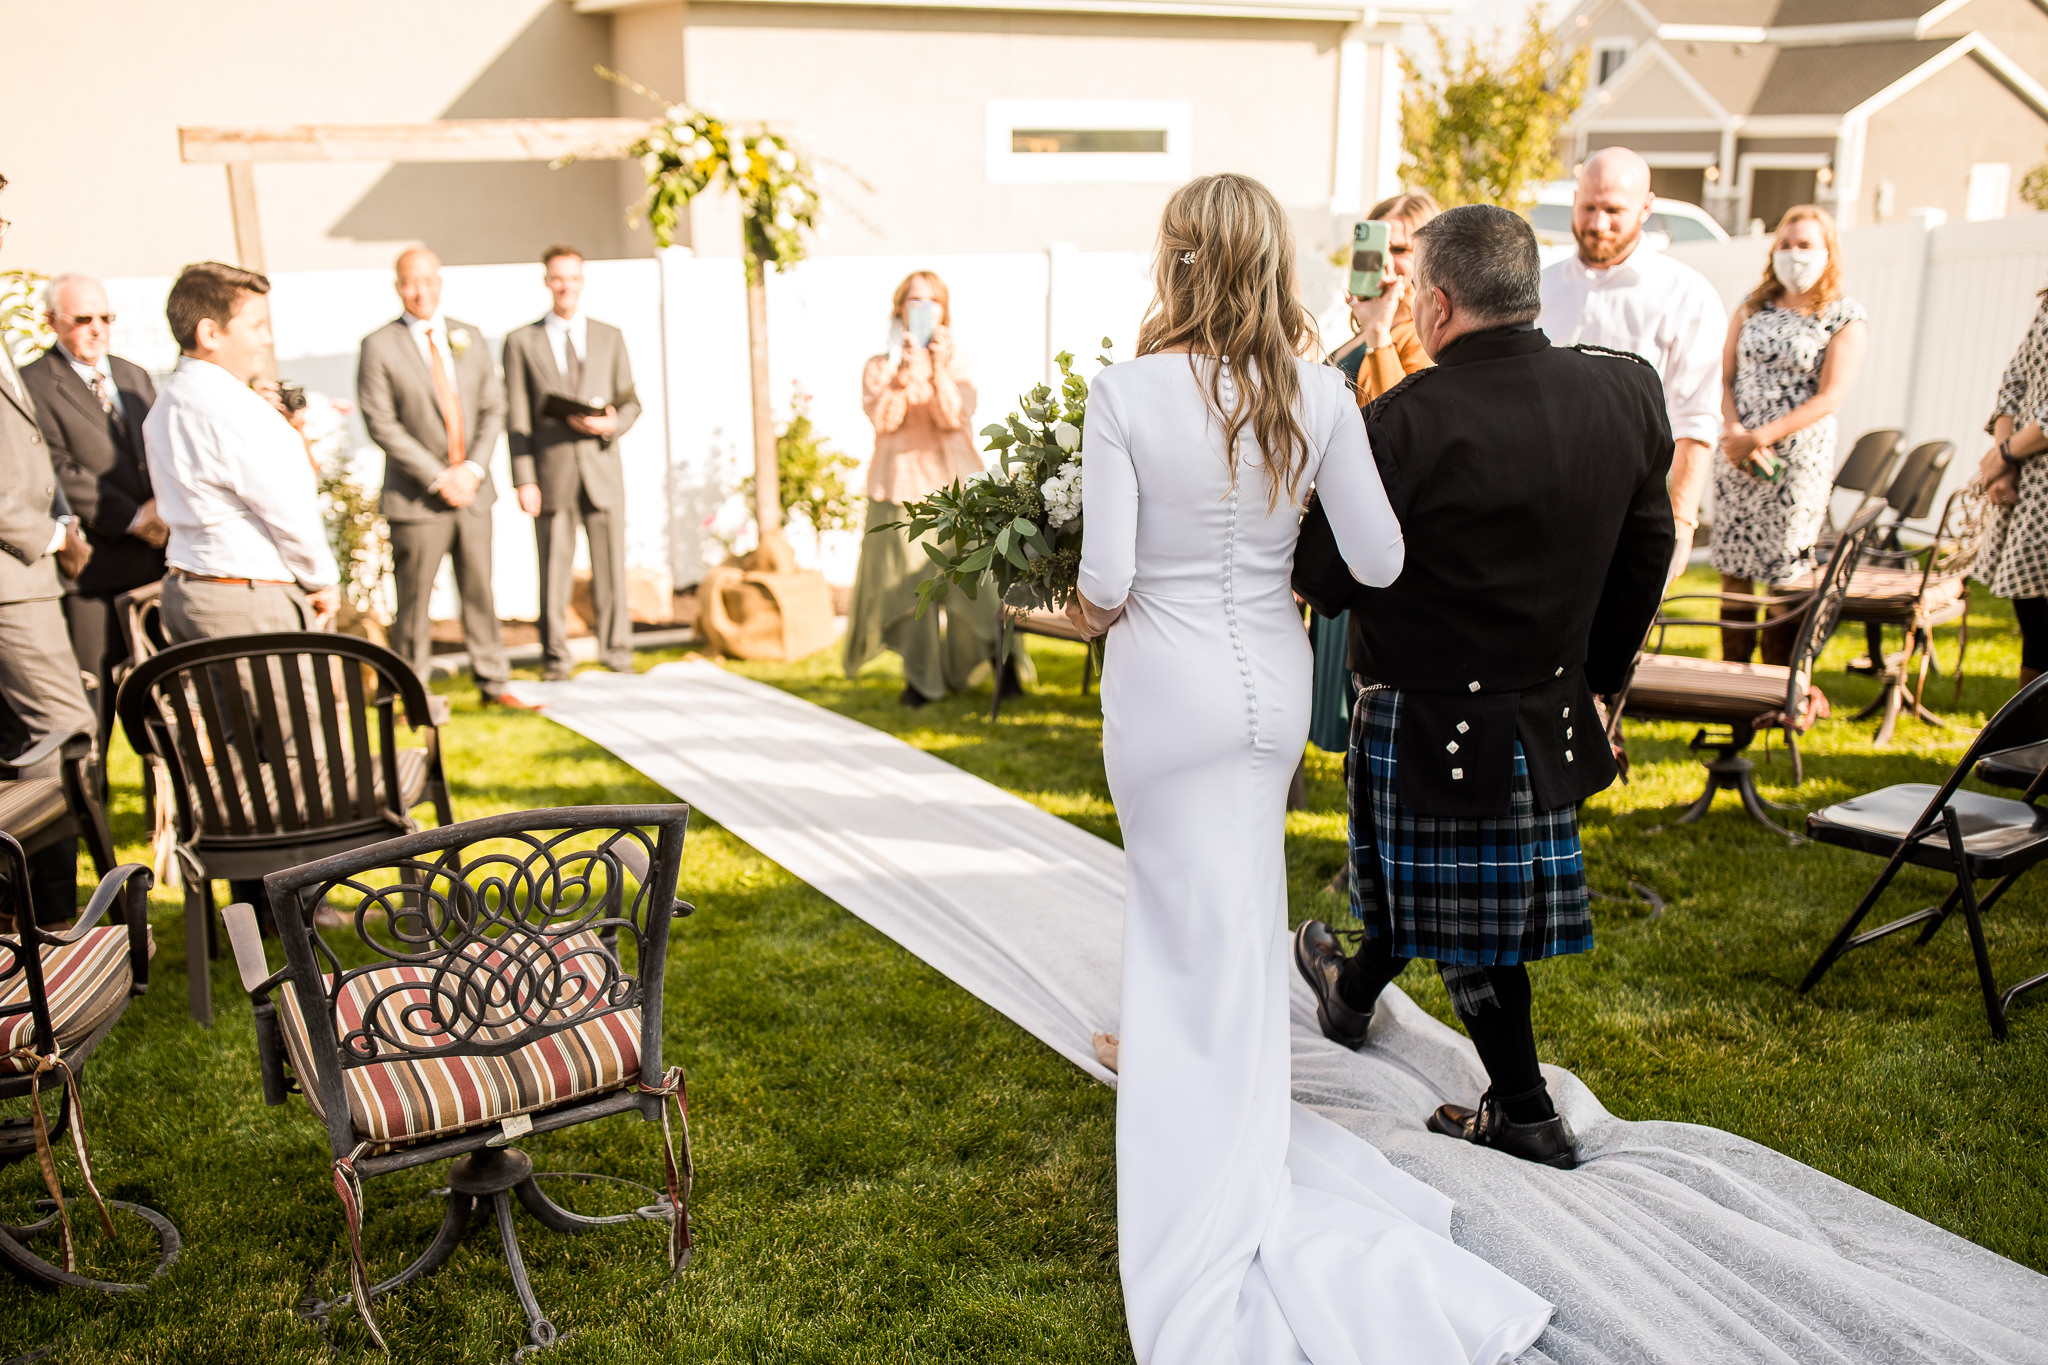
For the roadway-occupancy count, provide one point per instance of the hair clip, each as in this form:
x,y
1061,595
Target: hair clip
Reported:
x,y
1187,258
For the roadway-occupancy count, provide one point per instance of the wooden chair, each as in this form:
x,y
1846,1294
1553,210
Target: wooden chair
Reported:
x,y
38,811
1051,625
1917,598
60,996
492,1001
1967,835
1744,698
267,740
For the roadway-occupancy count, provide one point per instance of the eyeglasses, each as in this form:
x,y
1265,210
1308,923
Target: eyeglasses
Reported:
x,y
87,319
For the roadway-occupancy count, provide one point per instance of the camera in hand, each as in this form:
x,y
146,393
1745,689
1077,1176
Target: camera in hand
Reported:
x,y
291,397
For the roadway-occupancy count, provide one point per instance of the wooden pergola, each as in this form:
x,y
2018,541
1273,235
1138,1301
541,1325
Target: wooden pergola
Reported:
x,y
483,139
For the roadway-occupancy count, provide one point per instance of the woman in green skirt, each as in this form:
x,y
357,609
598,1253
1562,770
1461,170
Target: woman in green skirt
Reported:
x,y
920,397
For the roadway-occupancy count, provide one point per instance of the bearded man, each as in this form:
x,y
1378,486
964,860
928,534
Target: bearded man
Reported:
x,y
1627,296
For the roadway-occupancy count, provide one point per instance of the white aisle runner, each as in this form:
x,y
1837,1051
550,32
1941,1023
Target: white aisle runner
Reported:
x,y
1672,1245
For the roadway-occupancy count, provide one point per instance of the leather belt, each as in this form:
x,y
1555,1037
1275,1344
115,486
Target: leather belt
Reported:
x,y
188,576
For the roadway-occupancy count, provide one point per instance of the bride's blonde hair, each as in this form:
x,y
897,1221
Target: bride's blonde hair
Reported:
x,y
1223,285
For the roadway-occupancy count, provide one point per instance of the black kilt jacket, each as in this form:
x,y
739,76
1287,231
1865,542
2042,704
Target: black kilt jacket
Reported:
x,y
1529,480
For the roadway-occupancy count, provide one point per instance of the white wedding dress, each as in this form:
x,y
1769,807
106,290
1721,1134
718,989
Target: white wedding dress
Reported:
x,y
1249,1228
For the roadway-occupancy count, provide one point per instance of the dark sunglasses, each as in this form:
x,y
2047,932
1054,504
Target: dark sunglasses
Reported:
x,y
87,319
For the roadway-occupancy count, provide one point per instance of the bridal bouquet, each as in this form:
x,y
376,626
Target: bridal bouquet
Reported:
x,y
1018,525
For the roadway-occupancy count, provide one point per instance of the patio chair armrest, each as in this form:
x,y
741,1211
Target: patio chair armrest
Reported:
x,y
247,941
257,979
49,746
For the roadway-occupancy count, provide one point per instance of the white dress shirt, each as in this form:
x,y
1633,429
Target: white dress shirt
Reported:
x,y
233,482
103,370
1657,308
576,329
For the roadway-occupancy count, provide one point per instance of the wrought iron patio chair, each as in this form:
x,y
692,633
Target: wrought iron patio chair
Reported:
x,y
38,811
1742,699
1032,621
1863,472
1917,598
60,995
491,1000
1968,835
268,743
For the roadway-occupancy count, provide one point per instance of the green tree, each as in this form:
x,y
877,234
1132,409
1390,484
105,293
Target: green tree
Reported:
x,y
812,473
1484,127
2034,188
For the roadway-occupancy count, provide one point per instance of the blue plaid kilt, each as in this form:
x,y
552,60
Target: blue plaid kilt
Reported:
x,y
1478,893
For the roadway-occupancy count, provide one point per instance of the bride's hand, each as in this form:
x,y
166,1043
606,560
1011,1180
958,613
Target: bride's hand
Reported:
x,y
1090,619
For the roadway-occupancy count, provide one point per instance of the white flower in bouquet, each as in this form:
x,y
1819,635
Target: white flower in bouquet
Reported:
x,y
1062,492
1069,437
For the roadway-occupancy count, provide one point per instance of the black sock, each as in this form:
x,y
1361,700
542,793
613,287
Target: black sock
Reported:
x,y
1506,1042
1366,974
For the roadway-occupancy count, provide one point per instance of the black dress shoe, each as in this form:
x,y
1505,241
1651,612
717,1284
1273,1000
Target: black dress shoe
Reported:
x,y
1007,683
912,698
1548,1143
1318,958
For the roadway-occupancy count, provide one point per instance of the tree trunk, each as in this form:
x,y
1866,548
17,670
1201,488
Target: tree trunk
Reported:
x,y
767,481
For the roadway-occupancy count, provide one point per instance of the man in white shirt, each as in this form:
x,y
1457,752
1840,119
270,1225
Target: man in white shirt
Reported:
x,y
1622,295
248,551
431,399
567,468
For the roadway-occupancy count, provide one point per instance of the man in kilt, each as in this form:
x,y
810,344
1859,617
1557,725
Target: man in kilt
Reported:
x,y
1530,484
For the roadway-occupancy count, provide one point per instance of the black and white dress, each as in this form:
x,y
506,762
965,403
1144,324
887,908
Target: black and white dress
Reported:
x,y
2014,562
1764,529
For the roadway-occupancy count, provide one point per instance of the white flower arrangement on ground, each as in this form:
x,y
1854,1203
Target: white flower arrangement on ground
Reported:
x,y
1017,526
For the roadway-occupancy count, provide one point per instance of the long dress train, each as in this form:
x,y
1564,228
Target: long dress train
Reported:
x,y
1249,1229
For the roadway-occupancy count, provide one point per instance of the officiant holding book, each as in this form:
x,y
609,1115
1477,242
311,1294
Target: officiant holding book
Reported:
x,y
571,394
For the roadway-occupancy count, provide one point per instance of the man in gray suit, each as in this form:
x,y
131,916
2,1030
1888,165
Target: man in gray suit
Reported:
x,y
40,691
567,467
431,399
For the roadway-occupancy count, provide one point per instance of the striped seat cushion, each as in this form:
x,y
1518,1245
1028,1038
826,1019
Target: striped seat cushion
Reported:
x,y
411,1099
86,982
30,805
1677,686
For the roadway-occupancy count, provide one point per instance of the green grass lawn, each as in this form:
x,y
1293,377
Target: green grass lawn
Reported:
x,y
889,1171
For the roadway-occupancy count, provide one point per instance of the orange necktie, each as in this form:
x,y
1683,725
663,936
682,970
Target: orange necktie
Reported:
x,y
450,401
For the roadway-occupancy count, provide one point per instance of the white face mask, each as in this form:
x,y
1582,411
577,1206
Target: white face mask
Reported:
x,y
1799,268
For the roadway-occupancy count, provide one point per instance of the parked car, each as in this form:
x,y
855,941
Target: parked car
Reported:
x,y
1671,220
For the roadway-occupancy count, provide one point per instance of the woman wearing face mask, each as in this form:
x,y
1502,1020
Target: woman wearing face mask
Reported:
x,y
2014,561
920,398
1793,350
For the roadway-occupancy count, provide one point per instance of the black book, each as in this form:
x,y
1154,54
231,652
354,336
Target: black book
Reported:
x,y
561,407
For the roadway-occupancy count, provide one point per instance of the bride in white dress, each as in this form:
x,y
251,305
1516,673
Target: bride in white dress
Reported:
x,y
1249,1229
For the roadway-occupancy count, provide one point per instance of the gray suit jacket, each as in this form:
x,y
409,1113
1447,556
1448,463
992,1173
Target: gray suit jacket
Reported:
x,y
396,393
550,453
29,500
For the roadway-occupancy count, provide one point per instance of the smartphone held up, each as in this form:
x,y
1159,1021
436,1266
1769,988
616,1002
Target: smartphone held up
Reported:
x,y
921,320
1369,242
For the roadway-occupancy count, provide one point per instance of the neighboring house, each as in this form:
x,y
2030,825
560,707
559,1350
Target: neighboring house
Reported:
x,y
981,126
1003,125
1872,107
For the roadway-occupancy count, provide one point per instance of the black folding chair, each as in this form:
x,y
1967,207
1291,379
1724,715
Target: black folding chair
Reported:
x,y
1966,834
1864,472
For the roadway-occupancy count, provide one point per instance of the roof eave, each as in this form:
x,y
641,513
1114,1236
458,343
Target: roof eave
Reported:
x,y
1324,11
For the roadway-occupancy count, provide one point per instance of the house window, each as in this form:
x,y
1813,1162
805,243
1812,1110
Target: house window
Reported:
x,y
1073,142
1609,56
1990,182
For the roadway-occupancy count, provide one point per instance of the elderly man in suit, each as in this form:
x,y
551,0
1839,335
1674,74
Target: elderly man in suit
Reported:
x,y
90,405
567,465
40,692
432,401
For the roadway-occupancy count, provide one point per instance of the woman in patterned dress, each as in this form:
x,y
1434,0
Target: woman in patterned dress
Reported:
x,y
2015,559
1792,355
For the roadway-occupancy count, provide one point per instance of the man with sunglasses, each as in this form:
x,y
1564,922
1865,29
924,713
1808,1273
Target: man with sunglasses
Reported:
x,y
90,405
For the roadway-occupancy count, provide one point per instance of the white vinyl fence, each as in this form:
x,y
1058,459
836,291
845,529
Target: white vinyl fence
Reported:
x,y
1948,304
684,321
